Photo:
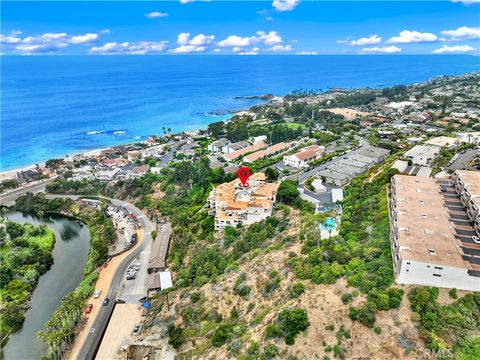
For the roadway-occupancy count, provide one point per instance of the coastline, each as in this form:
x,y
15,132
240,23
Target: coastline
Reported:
x,y
11,174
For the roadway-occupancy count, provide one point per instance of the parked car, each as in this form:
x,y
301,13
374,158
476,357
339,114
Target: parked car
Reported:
x,y
97,293
476,239
88,309
105,264
106,301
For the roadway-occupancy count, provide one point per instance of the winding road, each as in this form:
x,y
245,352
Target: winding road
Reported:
x,y
93,339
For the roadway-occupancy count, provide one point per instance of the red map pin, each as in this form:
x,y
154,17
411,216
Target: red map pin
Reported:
x,y
243,174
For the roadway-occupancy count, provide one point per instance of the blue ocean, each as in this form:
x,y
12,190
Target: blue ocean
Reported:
x,y
52,106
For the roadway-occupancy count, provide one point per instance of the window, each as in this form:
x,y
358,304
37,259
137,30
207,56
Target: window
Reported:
x,y
432,252
408,263
438,268
437,275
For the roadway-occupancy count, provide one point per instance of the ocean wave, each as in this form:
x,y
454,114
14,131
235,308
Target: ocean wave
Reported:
x,y
94,132
119,132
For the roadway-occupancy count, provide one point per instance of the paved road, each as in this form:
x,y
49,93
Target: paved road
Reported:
x,y
92,342
8,199
305,175
168,156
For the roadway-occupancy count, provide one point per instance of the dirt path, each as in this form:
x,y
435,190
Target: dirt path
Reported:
x,y
103,283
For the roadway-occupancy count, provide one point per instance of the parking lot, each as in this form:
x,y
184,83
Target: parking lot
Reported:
x,y
134,285
126,229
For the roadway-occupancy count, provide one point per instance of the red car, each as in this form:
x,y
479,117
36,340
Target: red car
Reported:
x,y
105,264
88,310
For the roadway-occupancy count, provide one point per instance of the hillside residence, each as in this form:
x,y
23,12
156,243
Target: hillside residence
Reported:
x,y
233,204
443,141
349,114
472,137
258,139
267,152
244,150
230,148
304,157
426,247
422,154
218,145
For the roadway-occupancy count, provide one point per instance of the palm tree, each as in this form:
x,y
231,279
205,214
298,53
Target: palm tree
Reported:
x,y
169,130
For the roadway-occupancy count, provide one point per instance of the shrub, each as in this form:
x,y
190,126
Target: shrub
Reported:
x,y
270,352
222,334
377,330
176,336
453,293
194,297
296,290
347,298
290,322
364,314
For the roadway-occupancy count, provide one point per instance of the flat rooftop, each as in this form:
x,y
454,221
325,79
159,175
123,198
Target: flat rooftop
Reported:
x,y
425,233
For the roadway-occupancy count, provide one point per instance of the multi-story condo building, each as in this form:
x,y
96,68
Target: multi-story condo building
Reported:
x,y
467,185
429,246
233,203
304,157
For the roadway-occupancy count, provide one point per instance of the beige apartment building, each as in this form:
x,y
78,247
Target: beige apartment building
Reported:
x,y
429,245
233,203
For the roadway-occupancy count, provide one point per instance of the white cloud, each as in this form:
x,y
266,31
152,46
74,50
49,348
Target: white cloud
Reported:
x,y
12,38
342,41
183,38
202,39
45,43
281,48
445,49
269,18
407,36
381,50
192,45
135,48
156,14
190,1
253,51
463,32
105,31
467,2
237,49
84,39
217,50
235,40
303,52
370,40
271,38
187,49
285,5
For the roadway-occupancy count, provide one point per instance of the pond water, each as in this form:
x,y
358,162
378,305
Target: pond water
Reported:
x,y
70,257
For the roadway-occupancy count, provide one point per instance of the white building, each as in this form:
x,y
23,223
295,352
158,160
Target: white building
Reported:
x,y
218,145
304,157
258,139
422,154
472,137
425,249
230,148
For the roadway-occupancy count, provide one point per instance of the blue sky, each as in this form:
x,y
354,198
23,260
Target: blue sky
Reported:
x,y
243,28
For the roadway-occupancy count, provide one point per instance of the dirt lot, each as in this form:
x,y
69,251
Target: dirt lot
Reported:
x,y
119,330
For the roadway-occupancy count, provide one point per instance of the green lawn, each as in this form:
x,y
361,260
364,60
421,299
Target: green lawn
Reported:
x,y
295,126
